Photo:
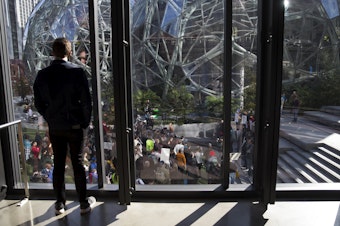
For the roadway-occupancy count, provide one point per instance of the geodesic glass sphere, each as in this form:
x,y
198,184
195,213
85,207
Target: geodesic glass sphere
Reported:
x,y
63,18
181,42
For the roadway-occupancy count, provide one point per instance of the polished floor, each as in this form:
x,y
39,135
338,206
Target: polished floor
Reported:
x,y
41,212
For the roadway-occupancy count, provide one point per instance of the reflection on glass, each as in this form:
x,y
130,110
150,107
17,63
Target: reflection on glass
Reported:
x,y
177,69
47,21
177,49
310,100
243,92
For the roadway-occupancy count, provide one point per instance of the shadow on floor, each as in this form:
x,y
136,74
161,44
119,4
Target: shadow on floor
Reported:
x,y
243,213
100,215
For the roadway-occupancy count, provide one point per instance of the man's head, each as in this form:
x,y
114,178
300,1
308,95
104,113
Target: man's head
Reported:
x,y
61,48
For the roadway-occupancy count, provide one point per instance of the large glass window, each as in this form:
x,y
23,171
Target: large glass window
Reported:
x,y
310,101
30,50
177,70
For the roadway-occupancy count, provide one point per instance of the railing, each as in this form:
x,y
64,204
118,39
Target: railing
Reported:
x,y
22,153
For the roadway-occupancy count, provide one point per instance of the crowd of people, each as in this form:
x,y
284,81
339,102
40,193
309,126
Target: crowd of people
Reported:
x,y
161,156
39,158
39,155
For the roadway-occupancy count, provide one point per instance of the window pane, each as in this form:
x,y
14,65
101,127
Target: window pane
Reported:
x,y
177,69
31,39
243,93
310,140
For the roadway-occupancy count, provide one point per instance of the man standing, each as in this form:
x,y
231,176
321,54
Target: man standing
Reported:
x,y
63,98
295,103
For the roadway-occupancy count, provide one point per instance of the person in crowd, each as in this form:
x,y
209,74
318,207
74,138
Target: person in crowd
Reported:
x,y
232,139
283,102
93,176
62,97
239,138
212,163
47,172
150,144
162,173
38,138
237,117
171,129
45,154
199,160
219,129
181,160
138,151
82,56
249,156
29,113
158,145
178,146
295,106
138,154
27,146
148,172
211,151
35,149
295,103
86,163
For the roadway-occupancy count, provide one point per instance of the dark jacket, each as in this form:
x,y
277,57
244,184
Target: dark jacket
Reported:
x,y
62,96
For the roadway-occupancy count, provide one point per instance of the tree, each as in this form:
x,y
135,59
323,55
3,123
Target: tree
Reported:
x,y
140,98
180,102
250,89
319,91
214,104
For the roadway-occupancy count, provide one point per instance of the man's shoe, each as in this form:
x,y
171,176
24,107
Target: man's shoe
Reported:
x,y
87,206
59,208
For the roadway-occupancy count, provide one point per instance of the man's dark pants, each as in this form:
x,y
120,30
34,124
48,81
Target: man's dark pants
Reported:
x,y
62,141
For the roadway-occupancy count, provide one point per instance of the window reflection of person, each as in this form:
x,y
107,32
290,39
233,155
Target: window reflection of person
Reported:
x,y
82,57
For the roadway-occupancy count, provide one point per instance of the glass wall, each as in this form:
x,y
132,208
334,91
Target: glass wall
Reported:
x,y
177,72
310,101
243,92
178,84
31,51
177,69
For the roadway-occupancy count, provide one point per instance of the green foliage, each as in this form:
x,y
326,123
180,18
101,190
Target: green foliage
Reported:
x,y
235,103
108,98
250,97
250,89
214,104
179,101
140,98
317,92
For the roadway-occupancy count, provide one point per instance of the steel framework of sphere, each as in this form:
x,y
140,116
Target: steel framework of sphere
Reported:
x,y
180,42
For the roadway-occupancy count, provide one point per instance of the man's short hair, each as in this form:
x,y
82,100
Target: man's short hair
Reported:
x,y
61,47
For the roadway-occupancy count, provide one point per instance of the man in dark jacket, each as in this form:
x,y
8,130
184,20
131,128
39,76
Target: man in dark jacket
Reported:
x,y
62,97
